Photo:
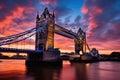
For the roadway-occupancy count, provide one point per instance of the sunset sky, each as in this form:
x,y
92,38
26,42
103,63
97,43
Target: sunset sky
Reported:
x,y
99,18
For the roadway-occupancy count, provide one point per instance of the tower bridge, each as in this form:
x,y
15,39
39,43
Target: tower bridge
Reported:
x,y
44,38
47,41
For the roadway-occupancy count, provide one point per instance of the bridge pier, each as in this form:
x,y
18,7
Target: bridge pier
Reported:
x,y
50,57
17,54
34,57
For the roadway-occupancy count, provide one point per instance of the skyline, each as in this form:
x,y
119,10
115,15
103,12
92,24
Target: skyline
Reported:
x,y
99,18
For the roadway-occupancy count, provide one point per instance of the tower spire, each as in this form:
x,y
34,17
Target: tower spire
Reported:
x,y
53,14
37,17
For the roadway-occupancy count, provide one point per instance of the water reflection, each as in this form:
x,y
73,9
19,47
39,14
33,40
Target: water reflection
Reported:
x,y
12,70
16,70
104,71
43,73
81,71
74,71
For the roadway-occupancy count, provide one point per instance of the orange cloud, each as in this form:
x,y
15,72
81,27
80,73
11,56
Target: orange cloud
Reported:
x,y
9,27
65,44
8,20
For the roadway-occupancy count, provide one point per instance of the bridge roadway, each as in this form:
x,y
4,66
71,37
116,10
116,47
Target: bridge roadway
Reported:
x,y
64,32
14,50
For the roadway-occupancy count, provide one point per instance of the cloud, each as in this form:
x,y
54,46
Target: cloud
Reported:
x,y
62,11
65,44
16,17
74,26
102,18
49,2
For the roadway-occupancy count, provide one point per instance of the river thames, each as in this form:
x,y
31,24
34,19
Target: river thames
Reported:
x,y
16,70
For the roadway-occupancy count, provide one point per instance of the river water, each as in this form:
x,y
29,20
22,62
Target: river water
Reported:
x,y
16,70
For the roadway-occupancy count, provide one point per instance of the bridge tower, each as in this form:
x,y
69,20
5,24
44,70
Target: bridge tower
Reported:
x,y
45,39
45,42
80,41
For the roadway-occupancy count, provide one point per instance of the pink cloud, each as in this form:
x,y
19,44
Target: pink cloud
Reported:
x,y
48,2
103,29
10,27
85,10
65,44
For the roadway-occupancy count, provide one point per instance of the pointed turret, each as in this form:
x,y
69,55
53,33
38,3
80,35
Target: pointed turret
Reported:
x,y
37,17
80,31
53,15
46,13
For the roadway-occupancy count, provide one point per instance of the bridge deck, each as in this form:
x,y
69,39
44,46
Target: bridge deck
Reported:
x,y
14,50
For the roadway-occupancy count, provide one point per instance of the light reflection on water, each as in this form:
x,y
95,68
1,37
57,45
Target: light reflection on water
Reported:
x,y
16,70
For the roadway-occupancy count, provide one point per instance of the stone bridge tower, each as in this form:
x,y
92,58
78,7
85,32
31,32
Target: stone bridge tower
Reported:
x,y
45,39
80,42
